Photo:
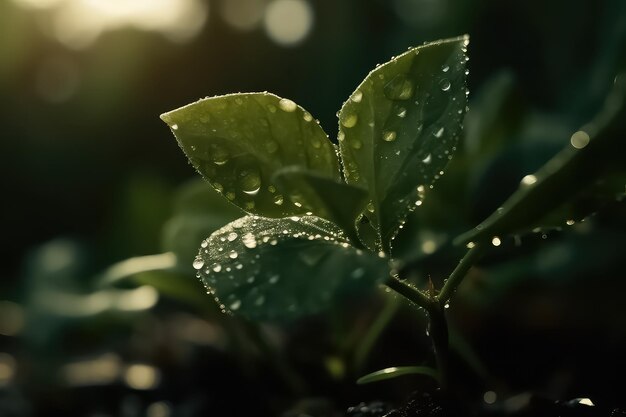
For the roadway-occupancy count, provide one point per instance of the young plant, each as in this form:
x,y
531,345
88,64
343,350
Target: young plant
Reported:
x,y
332,212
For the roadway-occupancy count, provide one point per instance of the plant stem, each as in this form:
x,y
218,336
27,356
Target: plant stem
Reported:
x,y
409,292
459,273
435,306
437,326
438,331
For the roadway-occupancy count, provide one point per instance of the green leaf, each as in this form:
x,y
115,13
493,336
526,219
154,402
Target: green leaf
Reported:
x,y
589,168
238,141
283,268
400,127
366,232
120,271
162,271
396,371
334,200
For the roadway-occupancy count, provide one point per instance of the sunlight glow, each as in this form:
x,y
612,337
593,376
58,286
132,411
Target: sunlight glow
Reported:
x,y
38,4
288,22
79,23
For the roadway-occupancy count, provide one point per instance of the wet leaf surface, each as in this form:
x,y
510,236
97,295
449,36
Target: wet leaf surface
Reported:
x,y
238,142
279,269
585,175
400,127
336,201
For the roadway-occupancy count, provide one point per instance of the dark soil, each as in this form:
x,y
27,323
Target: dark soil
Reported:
x,y
434,404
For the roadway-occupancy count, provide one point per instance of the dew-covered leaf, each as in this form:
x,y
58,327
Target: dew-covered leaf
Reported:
x,y
238,141
400,127
333,200
279,269
396,371
584,175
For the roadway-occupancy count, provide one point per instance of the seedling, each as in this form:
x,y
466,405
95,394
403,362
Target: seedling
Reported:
x,y
322,218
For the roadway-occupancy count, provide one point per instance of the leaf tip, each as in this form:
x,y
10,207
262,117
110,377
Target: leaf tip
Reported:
x,y
167,118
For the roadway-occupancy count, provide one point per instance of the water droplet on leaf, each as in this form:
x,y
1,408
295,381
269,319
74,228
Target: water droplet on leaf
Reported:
x,y
350,120
218,154
529,180
580,139
356,144
287,105
249,240
198,263
389,136
250,182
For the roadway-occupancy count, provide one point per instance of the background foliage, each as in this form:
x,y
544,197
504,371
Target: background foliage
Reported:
x,y
91,177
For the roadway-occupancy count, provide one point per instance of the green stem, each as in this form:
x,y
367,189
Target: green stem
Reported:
x,y
438,331
459,273
437,326
435,306
409,292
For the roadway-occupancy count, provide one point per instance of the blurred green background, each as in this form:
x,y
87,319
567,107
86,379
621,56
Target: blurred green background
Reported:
x,y
91,177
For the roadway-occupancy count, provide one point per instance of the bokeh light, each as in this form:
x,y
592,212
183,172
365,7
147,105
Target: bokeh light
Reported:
x,y
288,22
7,369
141,376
